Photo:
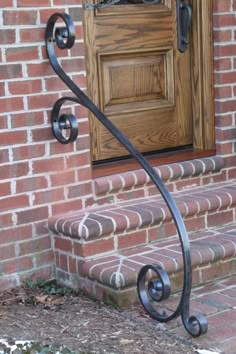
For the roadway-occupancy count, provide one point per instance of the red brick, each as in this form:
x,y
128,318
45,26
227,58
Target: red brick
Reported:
x,y
225,134
227,148
84,174
54,84
32,35
218,218
162,231
195,224
77,160
224,20
225,50
221,64
225,106
14,234
215,271
93,248
4,156
40,228
42,101
13,137
48,196
34,246
7,252
7,36
83,142
29,3
72,265
81,112
15,202
17,265
32,215
2,89
62,244
20,17
22,54
221,6
79,190
43,134
79,80
223,92
64,262
25,87
84,127
224,121
28,152
135,239
31,183
9,104
5,189
43,258
6,3
14,170
6,220
63,178
71,205
3,123
27,119
223,35
40,70
225,78
46,13
48,165
131,195
67,2
73,65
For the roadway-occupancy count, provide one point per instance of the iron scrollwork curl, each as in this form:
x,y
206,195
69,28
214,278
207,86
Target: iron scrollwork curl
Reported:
x,y
157,288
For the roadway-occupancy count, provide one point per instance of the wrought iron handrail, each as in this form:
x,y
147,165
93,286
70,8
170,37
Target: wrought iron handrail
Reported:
x,y
156,290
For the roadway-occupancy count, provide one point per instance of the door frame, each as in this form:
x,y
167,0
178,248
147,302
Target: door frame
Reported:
x,y
201,47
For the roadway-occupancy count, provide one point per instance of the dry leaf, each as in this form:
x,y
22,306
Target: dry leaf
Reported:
x,y
42,299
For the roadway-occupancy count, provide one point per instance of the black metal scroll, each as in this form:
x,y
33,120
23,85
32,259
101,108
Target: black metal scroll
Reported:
x,y
158,288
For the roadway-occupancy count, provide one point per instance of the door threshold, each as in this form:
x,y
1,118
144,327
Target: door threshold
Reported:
x,y
130,164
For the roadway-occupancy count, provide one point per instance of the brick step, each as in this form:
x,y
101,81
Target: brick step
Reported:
x,y
114,228
112,278
137,184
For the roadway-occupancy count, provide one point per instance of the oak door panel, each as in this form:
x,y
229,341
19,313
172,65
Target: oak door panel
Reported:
x,y
138,78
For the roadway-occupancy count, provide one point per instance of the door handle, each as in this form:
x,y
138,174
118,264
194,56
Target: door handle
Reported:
x,y
184,18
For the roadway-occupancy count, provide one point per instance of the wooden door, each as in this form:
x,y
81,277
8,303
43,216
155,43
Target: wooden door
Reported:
x,y
138,78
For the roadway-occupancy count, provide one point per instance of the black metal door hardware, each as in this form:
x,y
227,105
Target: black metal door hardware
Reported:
x,y
105,3
152,290
184,18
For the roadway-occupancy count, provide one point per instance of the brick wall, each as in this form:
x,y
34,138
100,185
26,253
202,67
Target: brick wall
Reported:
x,y
40,177
224,23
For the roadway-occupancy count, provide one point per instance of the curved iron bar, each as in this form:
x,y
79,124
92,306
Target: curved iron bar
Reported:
x,y
157,289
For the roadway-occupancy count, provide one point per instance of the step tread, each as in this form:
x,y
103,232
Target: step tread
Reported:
x,y
120,271
113,218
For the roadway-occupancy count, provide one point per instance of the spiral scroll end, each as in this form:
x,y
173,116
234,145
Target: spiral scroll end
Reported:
x,y
196,325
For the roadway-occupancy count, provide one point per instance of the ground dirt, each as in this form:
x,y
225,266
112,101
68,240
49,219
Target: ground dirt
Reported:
x,y
81,325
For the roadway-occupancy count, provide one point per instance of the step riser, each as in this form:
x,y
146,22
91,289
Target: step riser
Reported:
x,y
178,176
126,297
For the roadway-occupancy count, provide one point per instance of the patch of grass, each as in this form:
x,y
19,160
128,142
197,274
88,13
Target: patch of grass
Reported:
x,y
50,287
